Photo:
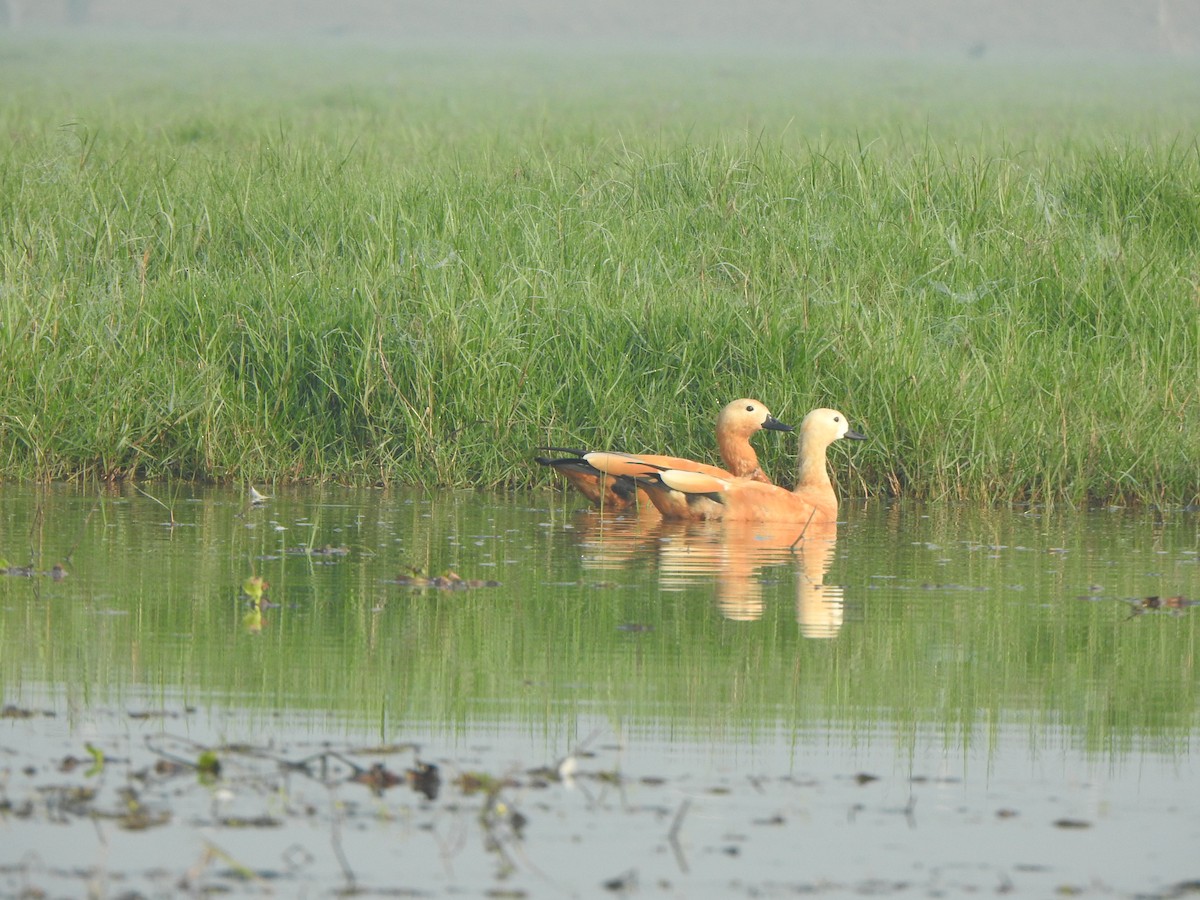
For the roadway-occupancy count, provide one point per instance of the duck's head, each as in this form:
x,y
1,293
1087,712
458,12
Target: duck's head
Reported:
x,y
828,425
747,416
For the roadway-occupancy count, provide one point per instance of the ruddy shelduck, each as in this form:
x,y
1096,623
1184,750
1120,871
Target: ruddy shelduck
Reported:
x,y
705,495
615,488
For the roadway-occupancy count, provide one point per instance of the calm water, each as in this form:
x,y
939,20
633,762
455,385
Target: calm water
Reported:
x,y
935,700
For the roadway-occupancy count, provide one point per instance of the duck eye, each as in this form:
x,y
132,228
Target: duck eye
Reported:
x,y
750,408
837,418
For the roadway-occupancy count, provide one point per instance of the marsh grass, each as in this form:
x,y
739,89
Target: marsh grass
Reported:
x,y
366,264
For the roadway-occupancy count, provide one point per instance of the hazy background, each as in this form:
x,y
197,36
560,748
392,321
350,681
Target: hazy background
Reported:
x,y
971,27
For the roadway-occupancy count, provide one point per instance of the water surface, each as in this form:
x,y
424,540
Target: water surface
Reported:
x,y
932,700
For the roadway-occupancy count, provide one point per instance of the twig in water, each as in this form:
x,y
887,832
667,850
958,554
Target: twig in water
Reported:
x,y
336,841
673,835
803,530
35,528
79,540
243,870
170,511
452,844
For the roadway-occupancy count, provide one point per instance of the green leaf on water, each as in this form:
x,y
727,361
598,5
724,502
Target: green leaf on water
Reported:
x,y
97,759
208,765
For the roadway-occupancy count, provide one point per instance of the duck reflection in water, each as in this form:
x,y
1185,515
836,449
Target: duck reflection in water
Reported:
x,y
737,557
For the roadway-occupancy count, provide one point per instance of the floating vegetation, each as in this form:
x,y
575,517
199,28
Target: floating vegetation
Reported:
x,y
209,764
481,782
255,587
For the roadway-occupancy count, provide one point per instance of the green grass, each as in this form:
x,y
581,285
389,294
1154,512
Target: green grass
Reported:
x,y
413,265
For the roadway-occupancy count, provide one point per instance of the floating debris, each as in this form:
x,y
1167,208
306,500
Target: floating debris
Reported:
x,y
252,822
481,782
16,712
625,882
450,581
387,749
1174,605
776,819
140,819
424,778
57,572
378,778
144,714
1072,823
64,800
166,768
327,551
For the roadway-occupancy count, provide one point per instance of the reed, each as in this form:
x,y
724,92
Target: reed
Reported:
x,y
366,265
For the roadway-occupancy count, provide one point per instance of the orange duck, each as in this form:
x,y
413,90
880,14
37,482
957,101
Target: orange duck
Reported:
x,y
694,493
615,490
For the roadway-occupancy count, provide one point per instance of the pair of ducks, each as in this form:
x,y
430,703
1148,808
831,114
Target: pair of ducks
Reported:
x,y
682,489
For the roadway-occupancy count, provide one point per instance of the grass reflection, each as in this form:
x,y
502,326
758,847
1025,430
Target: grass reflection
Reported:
x,y
910,618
